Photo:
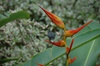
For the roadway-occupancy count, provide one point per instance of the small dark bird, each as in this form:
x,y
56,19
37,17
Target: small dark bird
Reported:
x,y
51,35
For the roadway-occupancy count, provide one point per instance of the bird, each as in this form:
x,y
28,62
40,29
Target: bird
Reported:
x,y
51,35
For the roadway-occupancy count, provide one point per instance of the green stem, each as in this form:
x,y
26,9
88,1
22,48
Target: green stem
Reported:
x,y
64,38
67,63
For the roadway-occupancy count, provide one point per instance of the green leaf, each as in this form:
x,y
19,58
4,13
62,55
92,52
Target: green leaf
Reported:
x,y
87,54
88,34
45,56
14,16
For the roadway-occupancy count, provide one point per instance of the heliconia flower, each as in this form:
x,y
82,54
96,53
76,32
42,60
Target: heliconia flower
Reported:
x,y
70,33
55,19
60,43
68,49
71,60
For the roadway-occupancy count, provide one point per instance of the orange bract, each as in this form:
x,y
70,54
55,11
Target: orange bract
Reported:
x,y
71,60
40,65
55,19
68,49
60,43
69,33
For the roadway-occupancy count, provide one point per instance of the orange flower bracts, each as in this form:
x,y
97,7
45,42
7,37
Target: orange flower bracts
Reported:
x,y
70,33
60,43
66,33
55,19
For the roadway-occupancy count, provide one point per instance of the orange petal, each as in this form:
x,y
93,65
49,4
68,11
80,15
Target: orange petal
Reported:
x,y
72,32
40,65
56,20
68,49
60,43
71,60
71,45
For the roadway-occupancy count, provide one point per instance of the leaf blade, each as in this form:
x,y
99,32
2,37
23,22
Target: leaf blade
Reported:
x,y
87,54
14,16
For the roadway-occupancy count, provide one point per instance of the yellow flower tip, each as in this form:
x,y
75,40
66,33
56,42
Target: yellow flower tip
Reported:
x,y
55,19
70,33
63,43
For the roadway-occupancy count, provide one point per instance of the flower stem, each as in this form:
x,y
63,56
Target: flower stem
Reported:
x,y
67,63
64,38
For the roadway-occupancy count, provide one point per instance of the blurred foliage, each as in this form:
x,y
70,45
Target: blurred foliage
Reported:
x,y
25,38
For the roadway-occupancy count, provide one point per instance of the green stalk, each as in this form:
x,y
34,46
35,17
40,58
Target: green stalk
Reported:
x,y
64,38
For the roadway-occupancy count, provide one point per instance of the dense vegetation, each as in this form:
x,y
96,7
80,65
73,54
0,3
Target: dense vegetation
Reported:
x,y
24,36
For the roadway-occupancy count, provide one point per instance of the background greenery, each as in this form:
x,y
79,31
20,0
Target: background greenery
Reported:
x,y
24,38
